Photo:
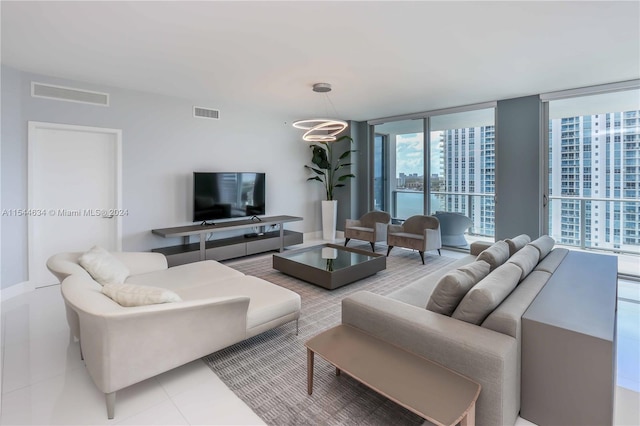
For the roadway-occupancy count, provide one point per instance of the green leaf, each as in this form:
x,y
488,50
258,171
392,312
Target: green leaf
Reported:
x,y
345,177
327,166
345,154
320,157
320,172
340,166
343,137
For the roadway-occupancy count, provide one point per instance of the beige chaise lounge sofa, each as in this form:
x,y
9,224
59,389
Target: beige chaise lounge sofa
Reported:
x,y
486,349
125,345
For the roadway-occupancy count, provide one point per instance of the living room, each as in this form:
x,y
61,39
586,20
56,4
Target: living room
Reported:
x,y
156,61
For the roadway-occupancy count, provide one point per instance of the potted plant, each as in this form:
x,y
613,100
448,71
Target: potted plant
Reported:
x,y
332,175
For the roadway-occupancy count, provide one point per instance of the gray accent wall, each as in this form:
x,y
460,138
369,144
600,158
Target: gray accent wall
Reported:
x,y
345,195
361,199
518,195
162,145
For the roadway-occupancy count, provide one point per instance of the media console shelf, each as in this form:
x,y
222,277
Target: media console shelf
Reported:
x,y
227,248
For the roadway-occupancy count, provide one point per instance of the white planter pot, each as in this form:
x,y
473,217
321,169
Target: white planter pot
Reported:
x,y
329,214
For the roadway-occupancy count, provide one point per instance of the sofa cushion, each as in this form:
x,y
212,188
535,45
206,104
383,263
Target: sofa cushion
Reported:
x,y
418,292
485,296
453,286
517,243
551,261
495,255
103,267
544,245
185,276
138,295
526,259
507,318
268,302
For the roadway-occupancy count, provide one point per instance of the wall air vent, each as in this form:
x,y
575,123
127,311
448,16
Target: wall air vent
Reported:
x,y
69,94
211,114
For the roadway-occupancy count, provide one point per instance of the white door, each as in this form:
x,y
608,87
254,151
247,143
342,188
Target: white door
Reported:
x,y
74,193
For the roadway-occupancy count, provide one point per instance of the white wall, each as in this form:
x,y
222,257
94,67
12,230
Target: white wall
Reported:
x,y
162,145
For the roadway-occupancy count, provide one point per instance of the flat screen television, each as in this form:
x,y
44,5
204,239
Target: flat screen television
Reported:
x,y
218,195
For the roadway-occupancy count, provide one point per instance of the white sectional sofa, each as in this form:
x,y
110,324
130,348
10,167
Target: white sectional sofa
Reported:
x,y
218,306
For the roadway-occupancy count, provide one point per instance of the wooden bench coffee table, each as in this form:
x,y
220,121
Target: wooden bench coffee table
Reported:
x,y
429,390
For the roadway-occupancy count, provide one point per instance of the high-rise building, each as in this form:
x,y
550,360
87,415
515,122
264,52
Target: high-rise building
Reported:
x,y
594,159
470,165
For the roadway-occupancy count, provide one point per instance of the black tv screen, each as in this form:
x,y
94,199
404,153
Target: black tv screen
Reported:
x,y
227,195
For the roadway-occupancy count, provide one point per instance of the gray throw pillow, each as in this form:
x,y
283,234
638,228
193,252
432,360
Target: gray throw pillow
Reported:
x,y
485,296
495,255
453,286
526,259
544,245
517,243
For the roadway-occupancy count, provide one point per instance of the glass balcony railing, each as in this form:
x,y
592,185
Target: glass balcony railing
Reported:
x,y
480,208
604,224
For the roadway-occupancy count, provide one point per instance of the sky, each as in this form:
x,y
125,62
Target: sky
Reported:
x,y
409,153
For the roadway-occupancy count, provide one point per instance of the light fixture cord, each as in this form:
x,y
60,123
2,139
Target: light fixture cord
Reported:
x,y
332,106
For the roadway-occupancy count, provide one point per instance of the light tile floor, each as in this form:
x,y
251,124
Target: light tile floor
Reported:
x,y
45,382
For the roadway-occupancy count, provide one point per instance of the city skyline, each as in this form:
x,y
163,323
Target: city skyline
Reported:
x,y
591,156
410,154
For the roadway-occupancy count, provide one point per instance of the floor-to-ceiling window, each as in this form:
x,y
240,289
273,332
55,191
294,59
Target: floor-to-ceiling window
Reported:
x,y
594,171
453,169
380,143
463,167
405,172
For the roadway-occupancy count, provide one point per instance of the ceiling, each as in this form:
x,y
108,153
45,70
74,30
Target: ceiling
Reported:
x,y
382,58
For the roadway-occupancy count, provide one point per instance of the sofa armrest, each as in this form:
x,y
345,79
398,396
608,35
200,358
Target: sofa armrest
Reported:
x,y
381,231
352,222
432,239
123,346
488,357
64,264
134,344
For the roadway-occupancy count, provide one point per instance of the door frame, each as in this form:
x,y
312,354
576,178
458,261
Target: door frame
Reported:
x,y
33,126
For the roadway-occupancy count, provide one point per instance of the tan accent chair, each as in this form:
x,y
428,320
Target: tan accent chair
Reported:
x,y
370,227
420,233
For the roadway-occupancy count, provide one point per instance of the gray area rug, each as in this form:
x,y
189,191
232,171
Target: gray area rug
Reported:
x,y
269,372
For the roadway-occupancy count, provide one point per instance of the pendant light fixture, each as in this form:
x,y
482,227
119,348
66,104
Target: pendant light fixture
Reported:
x,y
321,129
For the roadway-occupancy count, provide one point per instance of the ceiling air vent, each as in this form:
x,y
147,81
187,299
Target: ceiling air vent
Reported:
x,y
212,114
69,94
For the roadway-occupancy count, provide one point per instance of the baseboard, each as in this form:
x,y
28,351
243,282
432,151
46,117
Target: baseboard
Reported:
x,y
317,235
15,290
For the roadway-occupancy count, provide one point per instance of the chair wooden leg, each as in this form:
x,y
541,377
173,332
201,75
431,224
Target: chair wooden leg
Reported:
x,y
389,250
373,246
346,240
422,256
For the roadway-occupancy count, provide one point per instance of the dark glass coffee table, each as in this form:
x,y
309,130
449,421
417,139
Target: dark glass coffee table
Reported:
x,y
329,265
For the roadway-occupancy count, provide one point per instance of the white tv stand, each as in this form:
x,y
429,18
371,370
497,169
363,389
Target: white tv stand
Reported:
x,y
228,248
